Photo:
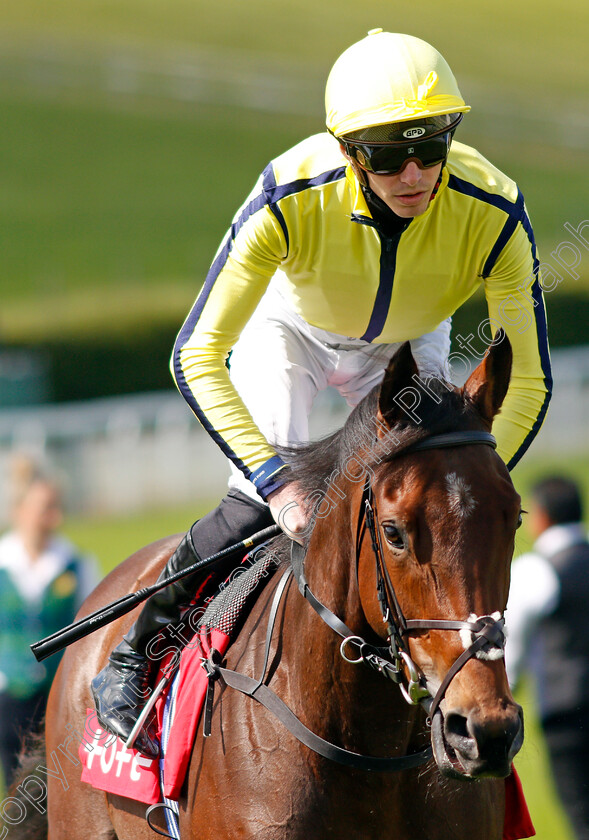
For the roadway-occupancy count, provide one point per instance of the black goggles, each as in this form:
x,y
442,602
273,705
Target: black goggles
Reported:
x,y
390,158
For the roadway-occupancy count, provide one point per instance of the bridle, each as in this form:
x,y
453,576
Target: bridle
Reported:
x,y
487,633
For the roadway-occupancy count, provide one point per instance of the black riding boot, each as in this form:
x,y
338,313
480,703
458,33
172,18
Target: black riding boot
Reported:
x,y
121,689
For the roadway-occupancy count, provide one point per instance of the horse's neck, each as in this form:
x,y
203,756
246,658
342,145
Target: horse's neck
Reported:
x,y
330,570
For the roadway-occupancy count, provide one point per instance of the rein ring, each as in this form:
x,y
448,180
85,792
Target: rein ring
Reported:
x,y
352,640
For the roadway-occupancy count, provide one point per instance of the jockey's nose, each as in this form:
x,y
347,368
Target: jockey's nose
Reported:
x,y
410,174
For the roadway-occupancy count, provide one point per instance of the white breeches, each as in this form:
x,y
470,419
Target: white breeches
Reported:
x,y
281,362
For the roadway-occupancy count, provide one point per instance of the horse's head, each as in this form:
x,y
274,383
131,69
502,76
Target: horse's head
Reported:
x,y
445,520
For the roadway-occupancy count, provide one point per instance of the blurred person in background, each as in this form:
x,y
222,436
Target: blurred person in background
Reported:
x,y
43,581
548,605
359,238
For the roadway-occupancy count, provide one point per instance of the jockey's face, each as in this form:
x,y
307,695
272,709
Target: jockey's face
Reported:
x,y
407,192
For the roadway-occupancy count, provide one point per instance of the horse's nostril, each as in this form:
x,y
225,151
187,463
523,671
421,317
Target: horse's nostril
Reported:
x,y
456,725
458,737
498,742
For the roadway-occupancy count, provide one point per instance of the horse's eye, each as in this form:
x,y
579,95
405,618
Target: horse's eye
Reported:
x,y
520,519
393,536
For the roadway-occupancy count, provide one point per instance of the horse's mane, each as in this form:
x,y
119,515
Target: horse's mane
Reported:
x,y
312,463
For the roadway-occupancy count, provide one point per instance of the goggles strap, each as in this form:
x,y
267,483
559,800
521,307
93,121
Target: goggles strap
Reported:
x,y
359,172
438,182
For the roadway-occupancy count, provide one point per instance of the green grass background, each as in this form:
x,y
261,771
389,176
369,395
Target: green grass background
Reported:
x,y
112,203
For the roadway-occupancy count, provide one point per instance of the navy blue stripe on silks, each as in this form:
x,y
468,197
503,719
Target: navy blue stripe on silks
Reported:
x,y
276,192
189,326
382,301
505,235
466,188
542,335
185,333
284,190
517,212
271,193
206,424
267,477
269,184
527,226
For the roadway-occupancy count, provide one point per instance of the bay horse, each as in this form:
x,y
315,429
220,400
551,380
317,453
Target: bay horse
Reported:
x,y
414,526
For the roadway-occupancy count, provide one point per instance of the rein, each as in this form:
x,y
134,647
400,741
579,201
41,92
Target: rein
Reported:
x,y
258,690
486,631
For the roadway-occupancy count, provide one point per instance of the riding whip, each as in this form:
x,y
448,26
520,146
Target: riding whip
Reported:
x,y
84,626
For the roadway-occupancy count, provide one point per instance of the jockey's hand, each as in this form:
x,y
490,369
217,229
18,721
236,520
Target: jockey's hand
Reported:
x,y
287,506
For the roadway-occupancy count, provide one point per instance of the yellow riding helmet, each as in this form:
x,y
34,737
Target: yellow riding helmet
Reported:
x,y
389,78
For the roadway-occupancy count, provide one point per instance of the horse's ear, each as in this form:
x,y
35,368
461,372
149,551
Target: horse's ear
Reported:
x,y
397,376
487,385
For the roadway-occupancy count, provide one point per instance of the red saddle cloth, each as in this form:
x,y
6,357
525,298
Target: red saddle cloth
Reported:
x,y
518,822
108,765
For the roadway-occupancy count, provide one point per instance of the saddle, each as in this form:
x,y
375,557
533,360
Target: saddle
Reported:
x,y
107,764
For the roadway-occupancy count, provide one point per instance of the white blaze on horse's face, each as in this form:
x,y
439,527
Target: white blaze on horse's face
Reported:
x,y
461,501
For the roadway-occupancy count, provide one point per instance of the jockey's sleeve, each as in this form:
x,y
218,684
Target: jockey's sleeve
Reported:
x,y
514,297
243,266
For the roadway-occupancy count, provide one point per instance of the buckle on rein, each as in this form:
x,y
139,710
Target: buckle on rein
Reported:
x,y
413,693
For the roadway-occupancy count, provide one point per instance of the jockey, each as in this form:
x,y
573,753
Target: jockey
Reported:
x,y
355,240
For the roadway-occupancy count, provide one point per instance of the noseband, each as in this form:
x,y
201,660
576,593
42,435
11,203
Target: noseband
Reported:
x,y
487,633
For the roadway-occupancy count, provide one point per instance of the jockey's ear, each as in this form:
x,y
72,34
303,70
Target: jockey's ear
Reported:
x,y
396,386
487,385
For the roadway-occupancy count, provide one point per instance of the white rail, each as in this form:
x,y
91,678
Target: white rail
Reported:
x,y
147,450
